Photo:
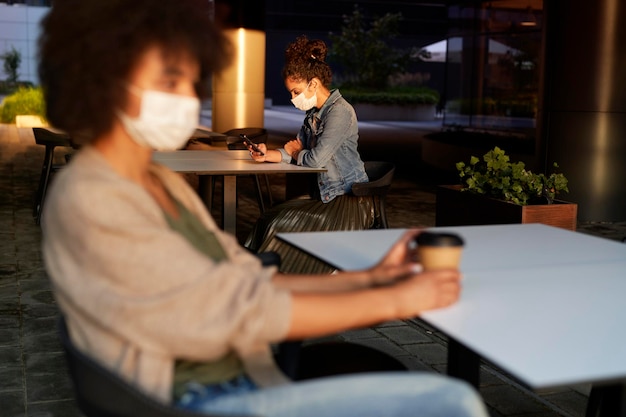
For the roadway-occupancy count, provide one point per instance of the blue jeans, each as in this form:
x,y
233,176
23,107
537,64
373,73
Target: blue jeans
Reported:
x,y
384,394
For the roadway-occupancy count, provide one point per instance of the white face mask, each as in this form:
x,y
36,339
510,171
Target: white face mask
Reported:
x,y
165,121
302,103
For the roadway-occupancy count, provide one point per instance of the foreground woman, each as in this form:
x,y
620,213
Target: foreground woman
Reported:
x,y
149,286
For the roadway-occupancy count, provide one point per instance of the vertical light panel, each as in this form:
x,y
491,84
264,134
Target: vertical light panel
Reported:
x,y
239,91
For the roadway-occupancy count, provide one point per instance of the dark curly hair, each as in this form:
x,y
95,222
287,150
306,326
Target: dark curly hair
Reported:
x,y
88,48
306,59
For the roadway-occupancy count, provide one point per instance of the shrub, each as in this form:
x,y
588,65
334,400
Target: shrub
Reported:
x,y
497,177
395,95
26,100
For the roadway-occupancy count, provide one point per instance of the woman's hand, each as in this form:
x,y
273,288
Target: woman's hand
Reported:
x,y
398,262
259,156
293,147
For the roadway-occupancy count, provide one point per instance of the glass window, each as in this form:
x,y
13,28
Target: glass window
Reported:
x,y
492,66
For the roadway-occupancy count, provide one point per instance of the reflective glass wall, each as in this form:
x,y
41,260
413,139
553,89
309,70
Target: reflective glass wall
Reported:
x,y
493,66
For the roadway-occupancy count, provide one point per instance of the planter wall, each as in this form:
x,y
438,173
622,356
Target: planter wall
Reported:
x,y
416,112
456,208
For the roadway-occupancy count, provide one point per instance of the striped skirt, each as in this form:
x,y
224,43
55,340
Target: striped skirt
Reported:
x,y
345,212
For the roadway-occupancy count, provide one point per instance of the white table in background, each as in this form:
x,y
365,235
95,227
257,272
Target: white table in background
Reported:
x,y
229,164
544,304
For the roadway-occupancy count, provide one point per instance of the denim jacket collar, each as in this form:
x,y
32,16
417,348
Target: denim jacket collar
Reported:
x,y
319,114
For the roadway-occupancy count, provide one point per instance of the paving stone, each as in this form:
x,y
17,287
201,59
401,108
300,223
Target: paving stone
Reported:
x,y
46,377
40,335
10,359
430,353
9,322
61,408
414,364
570,401
12,403
360,334
11,379
508,400
384,345
10,336
405,335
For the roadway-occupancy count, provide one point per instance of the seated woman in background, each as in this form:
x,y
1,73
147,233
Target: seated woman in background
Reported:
x,y
327,139
149,286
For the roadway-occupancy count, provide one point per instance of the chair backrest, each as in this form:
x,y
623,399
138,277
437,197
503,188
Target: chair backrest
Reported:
x,y
380,175
101,393
45,136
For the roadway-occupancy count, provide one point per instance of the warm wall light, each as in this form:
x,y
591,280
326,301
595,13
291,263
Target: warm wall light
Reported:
x,y
529,18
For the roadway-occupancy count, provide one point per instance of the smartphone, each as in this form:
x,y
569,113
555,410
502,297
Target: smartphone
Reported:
x,y
248,142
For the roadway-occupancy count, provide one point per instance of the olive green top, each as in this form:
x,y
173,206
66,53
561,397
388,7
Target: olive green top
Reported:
x,y
229,366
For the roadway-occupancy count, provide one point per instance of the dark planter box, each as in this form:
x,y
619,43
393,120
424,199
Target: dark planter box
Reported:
x,y
456,208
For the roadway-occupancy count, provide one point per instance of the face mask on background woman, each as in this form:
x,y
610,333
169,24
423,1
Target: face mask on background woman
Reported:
x,y
302,103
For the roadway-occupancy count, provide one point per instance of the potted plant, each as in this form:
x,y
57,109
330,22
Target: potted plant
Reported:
x,y
494,190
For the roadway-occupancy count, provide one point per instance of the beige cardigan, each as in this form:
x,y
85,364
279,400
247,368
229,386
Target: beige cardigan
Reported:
x,y
137,296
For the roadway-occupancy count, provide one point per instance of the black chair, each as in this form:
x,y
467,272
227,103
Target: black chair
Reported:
x,y
231,140
50,139
101,393
257,135
380,175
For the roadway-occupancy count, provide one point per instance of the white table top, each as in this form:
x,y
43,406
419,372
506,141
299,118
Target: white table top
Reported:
x,y
549,326
223,162
486,247
543,303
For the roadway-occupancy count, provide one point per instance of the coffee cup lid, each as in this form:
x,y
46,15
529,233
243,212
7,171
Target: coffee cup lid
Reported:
x,y
439,239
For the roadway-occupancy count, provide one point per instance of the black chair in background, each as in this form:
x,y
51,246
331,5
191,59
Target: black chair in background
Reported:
x,y
230,140
50,139
257,135
380,175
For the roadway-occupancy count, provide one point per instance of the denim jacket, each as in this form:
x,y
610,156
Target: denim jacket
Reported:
x,y
330,138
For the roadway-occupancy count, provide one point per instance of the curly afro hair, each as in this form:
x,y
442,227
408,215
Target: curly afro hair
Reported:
x,y
306,59
87,49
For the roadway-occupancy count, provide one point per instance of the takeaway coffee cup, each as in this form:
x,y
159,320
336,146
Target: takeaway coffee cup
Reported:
x,y
439,250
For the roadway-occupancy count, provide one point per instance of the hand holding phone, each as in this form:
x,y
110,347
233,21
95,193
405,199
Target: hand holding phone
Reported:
x,y
249,143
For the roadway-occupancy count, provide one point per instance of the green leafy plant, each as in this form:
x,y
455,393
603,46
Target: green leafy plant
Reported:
x,y
26,100
364,52
496,176
12,60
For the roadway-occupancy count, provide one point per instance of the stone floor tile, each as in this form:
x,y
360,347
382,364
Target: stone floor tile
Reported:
x,y
11,373
508,400
46,377
569,401
431,353
360,334
405,335
12,403
414,364
382,344
10,336
60,408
